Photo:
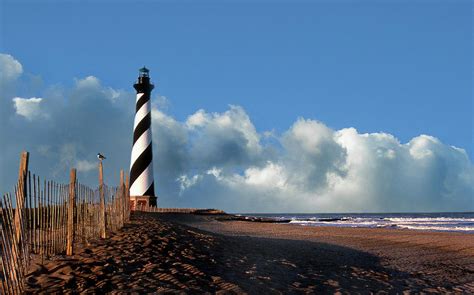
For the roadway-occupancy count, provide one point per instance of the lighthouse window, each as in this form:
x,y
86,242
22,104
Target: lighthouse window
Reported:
x,y
144,72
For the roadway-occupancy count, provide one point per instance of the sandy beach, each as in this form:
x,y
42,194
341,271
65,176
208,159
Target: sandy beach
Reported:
x,y
187,253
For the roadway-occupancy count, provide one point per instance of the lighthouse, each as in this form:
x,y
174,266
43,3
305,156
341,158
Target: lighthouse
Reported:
x,y
142,186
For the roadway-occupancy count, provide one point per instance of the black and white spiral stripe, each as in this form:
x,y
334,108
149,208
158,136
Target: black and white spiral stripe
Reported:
x,y
141,167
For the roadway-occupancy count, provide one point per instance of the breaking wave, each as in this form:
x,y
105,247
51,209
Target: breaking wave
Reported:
x,y
453,222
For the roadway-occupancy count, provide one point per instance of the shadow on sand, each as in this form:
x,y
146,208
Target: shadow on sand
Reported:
x,y
154,254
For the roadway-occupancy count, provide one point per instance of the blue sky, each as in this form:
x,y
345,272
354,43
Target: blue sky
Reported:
x,y
397,67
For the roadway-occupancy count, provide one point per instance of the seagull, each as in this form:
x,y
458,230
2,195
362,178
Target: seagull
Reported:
x,y
101,157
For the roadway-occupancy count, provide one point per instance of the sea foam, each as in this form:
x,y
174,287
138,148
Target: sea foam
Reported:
x,y
456,222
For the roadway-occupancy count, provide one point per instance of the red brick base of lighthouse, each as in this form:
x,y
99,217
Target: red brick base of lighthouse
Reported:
x,y
142,203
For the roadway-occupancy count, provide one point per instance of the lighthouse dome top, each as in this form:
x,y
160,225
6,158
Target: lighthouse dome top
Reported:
x,y
144,72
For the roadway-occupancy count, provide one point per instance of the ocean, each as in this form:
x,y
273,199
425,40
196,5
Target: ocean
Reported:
x,y
451,222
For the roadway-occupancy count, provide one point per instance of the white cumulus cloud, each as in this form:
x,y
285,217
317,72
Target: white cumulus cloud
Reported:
x,y
29,108
88,82
85,166
10,68
316,169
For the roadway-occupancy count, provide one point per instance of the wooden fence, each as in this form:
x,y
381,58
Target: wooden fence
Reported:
x,y
179,210
44,218
144,208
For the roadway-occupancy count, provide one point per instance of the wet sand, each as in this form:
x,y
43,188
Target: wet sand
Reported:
x,y
201,254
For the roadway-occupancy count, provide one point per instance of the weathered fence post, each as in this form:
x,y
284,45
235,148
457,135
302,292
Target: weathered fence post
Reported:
x,y
127,197
122,198
25,156
21,195
70,213
102,220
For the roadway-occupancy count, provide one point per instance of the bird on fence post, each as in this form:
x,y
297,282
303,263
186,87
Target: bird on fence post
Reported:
x,y
100,156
